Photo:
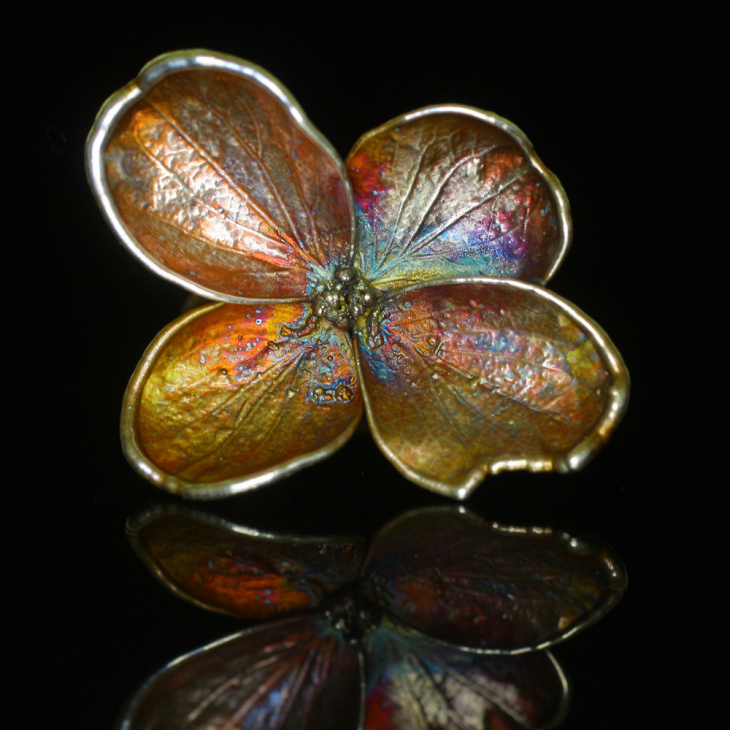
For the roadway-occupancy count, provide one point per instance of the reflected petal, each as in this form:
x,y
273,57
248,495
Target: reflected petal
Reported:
x,y
233,396
209,171
478,376
297,674
415,684
490,587
232,569
448,192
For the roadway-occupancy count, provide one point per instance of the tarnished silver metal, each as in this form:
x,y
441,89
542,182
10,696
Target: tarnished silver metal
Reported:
x,y
348,297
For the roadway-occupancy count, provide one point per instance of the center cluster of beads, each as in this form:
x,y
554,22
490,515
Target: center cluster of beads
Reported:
x,y
353,618
345,299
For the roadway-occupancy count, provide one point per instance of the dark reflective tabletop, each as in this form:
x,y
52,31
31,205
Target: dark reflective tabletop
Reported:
x,y
619,107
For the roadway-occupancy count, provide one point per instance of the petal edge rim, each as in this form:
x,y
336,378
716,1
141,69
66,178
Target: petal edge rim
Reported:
x,y
119,102
144,466
573,460
522,140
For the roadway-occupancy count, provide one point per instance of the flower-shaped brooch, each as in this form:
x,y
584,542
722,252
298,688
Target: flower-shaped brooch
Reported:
x,y
406,282
439,625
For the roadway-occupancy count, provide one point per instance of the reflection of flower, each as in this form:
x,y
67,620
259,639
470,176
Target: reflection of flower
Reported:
x,y
441,629
209,172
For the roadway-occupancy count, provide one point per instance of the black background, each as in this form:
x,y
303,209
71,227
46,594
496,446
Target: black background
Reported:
x,y
620,100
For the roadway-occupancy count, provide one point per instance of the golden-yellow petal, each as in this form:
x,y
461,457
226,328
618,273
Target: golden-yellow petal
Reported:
x,y
233,396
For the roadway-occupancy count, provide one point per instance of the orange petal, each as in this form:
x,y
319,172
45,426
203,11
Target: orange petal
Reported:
x,y
209,172
486,375
227,568
229,397
446,192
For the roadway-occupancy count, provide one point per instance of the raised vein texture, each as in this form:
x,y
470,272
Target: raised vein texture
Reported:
x,y
448,195
237,391
416,684
461,377
252,576
219,185
293,674
461,580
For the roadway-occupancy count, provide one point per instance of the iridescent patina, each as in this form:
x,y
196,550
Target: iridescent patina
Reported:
x,y
245,573
442,625
495,587
450,192
233,389
408,279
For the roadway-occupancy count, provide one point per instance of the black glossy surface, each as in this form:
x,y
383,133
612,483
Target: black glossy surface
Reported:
x,y
621,104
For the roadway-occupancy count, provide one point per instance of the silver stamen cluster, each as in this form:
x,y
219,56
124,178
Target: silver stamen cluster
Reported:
x,y
346,299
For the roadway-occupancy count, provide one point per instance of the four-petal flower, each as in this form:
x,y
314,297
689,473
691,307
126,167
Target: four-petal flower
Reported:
x,y
438,625
430,244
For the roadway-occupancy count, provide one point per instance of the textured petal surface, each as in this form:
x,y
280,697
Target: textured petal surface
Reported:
x,y
221,182
415,684
243,572
461,580
233,396
452,192
468,378
294,675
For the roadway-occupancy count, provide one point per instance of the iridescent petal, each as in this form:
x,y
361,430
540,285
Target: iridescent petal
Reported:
x,y
298,673
479,376
229,397
452,191
459,579
416,684
227,568
209,171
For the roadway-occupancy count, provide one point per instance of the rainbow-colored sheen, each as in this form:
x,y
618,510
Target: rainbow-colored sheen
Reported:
x,y
411,678
458,579
420,631
448,195
220,185
237,389
463,377
295,674
211,174
252,576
